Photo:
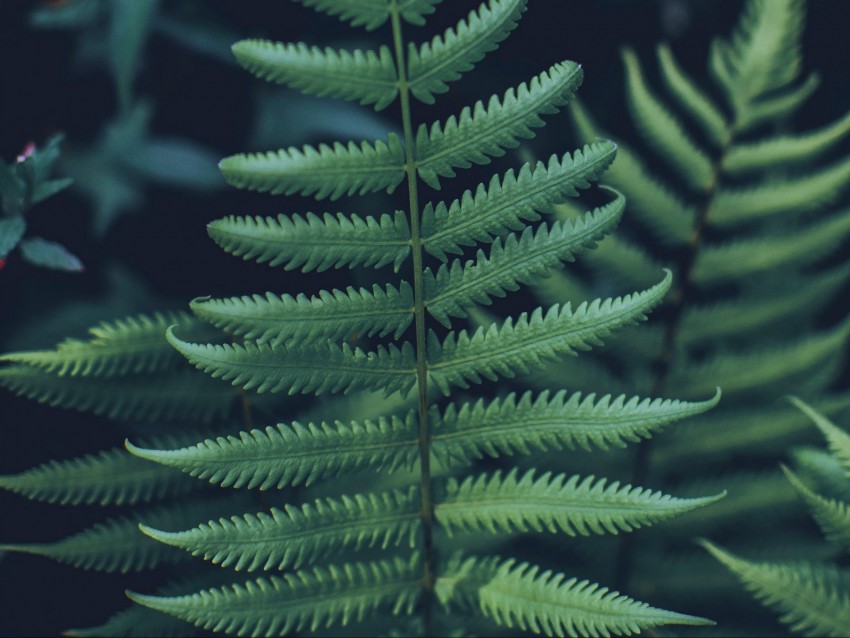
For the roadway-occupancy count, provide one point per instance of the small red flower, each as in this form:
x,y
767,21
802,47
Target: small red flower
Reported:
x,y
29,149
2,264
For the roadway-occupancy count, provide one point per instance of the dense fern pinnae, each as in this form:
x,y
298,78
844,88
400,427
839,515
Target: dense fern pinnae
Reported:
x,y
346,553
749,213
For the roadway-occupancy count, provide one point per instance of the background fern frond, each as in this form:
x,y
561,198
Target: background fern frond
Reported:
x,y
434,64
367,77
296,454
832,516
323,172
317,243
370,14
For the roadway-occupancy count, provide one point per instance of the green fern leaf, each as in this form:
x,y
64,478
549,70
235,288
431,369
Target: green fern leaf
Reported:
x,y
523,596
763,53
316,243
838,439
133,345
306,600
785,149
518,426
734,206
622,262
772,250
312,369
179,396
832,516
810,596
573,505
414,11
370,14
520,259
692,99
778,106
810,361
482,132
295,454
663,131
326,171
442,60
755,313
518,346
331,315
364,77
821,470
295,536
112,477
117,545
499,207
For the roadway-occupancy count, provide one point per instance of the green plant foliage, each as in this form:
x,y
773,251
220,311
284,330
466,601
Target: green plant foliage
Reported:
x,y
813,598
395,514
749,211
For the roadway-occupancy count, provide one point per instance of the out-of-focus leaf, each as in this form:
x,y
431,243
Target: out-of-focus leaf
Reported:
x,y
285,118
49,254
209,40
129,28
11,186
11,231
178,162
43,190
73,14
43,158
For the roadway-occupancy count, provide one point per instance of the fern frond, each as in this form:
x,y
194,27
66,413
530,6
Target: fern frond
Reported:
x,y
691,98
518,346
306,600
734,206
112,477
482,132
812,598
366,77
623,262
747,314
521,259
822,470
326,171
772,250
777,106
118,545
832,516
331,315
313,369
838,439
179,396
518,426
370,14
295,536
133,345
767,369
524,596
434,64
785,149
573,505
295,454
763,53
500,206
663,131
316,243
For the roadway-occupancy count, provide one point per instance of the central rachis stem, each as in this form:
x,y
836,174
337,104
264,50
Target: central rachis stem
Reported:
x,y
427,513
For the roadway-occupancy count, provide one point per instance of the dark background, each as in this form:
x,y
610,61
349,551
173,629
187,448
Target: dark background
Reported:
x,y
163,243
